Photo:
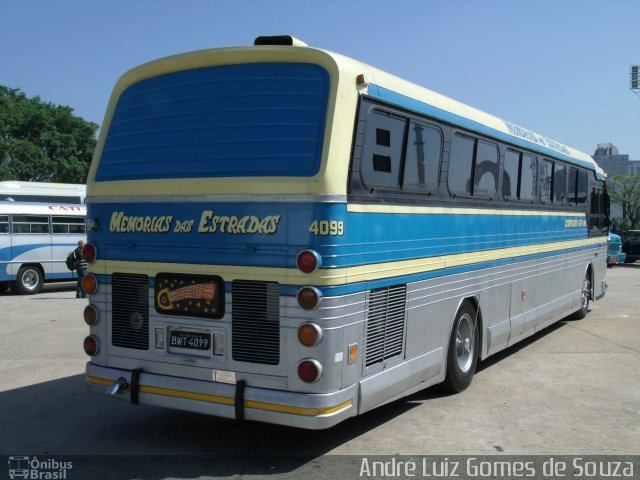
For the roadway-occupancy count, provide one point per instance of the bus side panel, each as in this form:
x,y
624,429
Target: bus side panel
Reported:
x,y
30,249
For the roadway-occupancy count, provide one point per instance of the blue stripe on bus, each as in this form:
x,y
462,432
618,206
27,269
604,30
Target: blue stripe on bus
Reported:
x,y
368,237
390,96
356,287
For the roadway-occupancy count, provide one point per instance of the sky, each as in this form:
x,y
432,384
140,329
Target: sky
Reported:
x,y
557,67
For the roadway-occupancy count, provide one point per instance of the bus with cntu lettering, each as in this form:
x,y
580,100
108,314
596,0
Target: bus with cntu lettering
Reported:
x,y
40,223
283,234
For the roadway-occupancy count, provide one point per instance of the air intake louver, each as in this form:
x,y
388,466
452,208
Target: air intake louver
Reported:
x,y
256,322
386,324
130,311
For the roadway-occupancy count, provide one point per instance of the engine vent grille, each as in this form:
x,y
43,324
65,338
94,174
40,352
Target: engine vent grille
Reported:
x,y
386,324
130,311
256,322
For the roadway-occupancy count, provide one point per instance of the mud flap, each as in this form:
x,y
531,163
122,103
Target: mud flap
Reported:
x,y
134,385
239,399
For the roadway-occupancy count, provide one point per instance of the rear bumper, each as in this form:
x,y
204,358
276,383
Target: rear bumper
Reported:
x,y
303,410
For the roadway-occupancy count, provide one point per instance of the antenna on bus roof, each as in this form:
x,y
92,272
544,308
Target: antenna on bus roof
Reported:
x,y
287,40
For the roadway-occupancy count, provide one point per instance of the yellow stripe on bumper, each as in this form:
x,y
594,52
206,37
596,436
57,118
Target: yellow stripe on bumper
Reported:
x,y
204,397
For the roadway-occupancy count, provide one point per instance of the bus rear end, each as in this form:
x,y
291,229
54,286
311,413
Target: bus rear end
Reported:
x,y
215,232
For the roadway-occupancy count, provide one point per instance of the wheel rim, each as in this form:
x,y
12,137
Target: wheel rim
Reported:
x,y
465,344
586,290
30,279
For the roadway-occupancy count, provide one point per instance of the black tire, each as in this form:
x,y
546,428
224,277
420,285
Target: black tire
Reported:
x,y
584,299
462,355
29,280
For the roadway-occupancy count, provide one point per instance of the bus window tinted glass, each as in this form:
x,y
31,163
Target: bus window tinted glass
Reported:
x,y
582,187
510,176
486,174
559,182
30,224
460,163
4,223
382,152
545,180
571,189
422,163
528,177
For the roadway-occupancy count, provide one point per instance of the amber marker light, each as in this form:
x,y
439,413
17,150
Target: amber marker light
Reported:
x,y
90,284
89,252
90,346
309,334
308,261
309,298
90,315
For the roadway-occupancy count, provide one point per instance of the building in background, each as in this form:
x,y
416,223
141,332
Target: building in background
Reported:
x,y
613,162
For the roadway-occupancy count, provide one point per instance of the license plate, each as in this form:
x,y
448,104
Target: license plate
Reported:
x,y
182,340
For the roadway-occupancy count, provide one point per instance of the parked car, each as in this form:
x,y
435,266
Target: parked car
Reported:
x,y
631,245
614,250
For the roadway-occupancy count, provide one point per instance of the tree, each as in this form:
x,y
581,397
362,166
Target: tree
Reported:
x,y
43,142
625,191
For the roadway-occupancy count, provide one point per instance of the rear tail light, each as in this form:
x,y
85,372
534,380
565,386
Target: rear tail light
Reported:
x,y
89,252
309,334
90,284
309,370
90,315
90,345
308,261
309,298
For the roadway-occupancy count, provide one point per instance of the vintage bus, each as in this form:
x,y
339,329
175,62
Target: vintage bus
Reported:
x,y
283,234
40,223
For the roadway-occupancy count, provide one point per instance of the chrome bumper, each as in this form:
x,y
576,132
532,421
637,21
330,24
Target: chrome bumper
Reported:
x,y
303,410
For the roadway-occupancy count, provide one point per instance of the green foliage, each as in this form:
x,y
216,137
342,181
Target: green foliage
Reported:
x,y
43,142
625,191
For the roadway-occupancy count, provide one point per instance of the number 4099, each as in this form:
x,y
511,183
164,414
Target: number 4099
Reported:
x,y
327,227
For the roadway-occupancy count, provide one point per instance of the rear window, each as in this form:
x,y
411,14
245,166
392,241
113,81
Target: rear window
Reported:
x,y
264,119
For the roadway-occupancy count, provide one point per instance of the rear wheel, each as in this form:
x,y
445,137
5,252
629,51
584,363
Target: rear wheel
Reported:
x,y
462,356
29,280
584,299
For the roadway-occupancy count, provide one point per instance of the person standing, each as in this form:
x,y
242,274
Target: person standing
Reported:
x,y
80,265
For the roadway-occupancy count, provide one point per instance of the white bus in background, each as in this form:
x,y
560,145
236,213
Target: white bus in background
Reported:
x,y
40,223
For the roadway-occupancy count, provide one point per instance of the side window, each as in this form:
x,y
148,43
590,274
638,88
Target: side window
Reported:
x,y
4,223
473,167
382,153
581,196
511,175
422,163
460,164
30,224
528,177
571,189
67,225
559,182
546,177
485,179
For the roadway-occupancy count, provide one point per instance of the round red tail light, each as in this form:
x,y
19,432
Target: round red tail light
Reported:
x,y
90,315
309,370
90,345
89,252
307,261
90,284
